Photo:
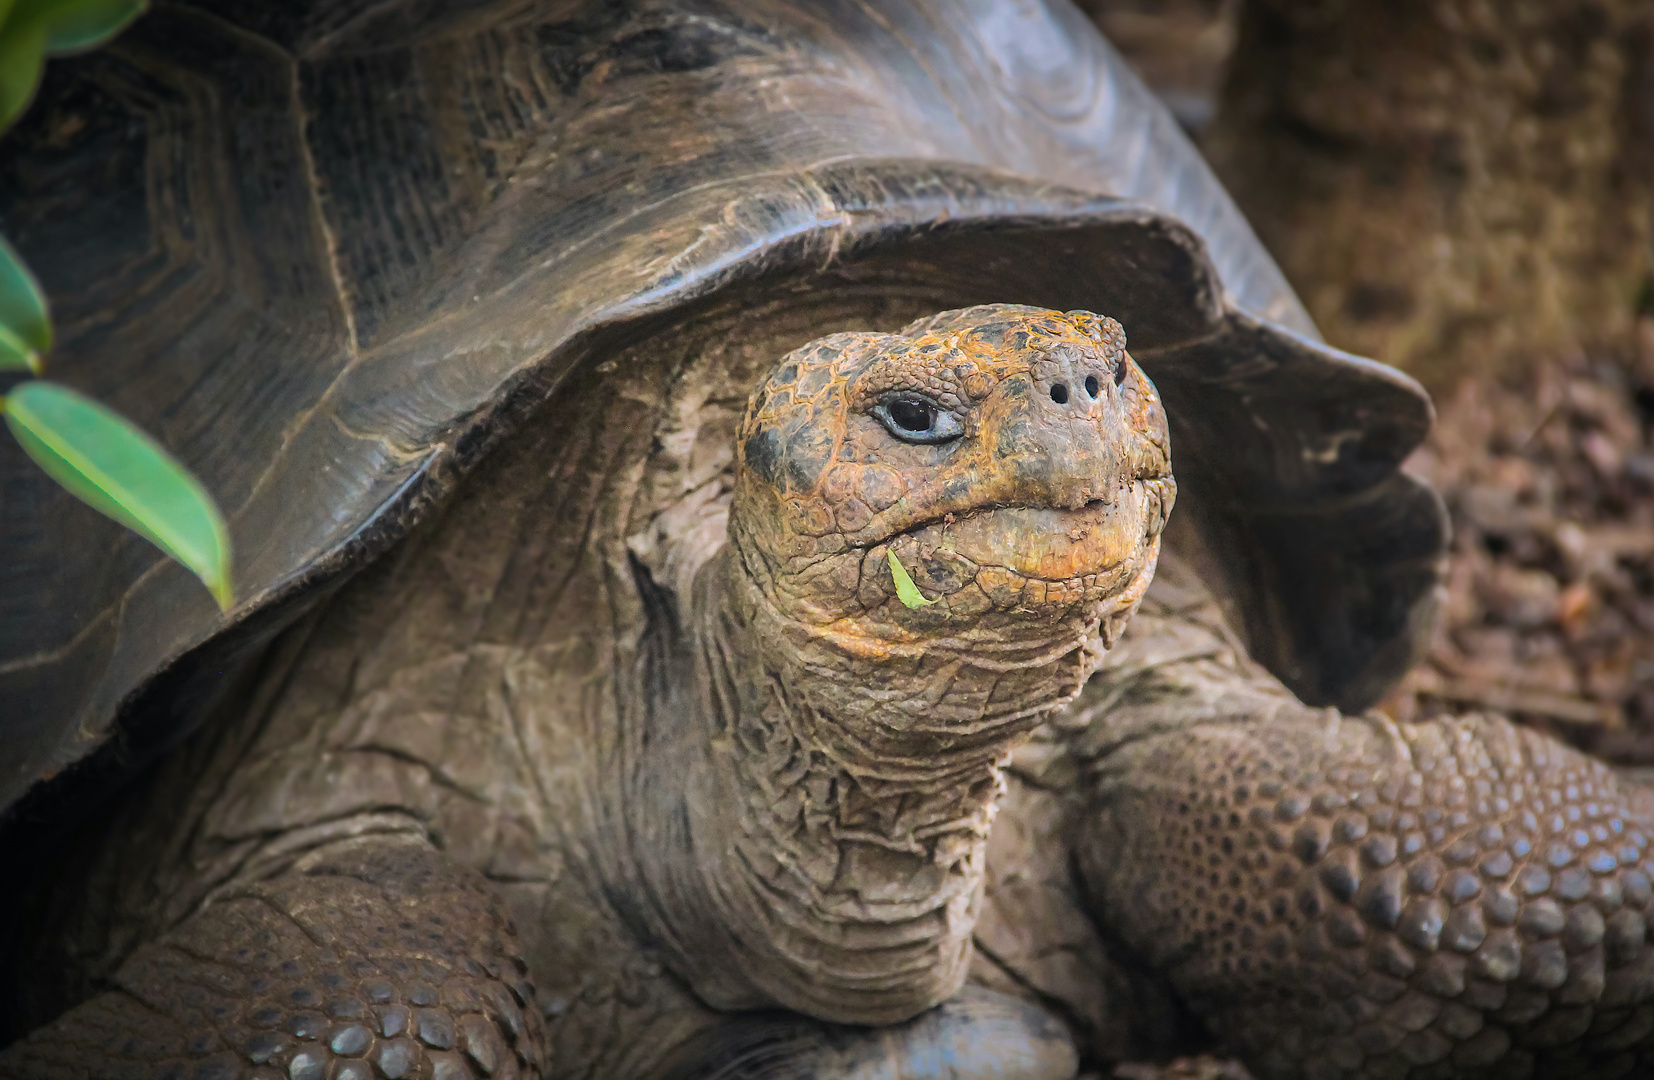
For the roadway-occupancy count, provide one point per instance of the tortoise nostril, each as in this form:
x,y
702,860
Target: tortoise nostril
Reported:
x,y
1059,393
1091,385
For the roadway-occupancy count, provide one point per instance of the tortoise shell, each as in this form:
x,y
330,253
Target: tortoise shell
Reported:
x,y
332,253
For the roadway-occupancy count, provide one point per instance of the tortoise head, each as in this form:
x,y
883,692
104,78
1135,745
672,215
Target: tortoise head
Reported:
x,y
1013,459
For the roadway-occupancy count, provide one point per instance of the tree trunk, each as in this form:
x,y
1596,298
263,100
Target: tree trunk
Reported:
x,y
1451,185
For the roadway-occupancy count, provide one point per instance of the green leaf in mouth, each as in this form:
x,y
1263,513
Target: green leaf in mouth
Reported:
x,y
907,592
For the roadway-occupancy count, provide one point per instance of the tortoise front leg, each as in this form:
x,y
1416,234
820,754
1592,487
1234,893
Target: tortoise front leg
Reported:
x,y
1347,897
367,955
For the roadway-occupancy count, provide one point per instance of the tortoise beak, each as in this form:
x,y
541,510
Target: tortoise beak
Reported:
x,y
1051,561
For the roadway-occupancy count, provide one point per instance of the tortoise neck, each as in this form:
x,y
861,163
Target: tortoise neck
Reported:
x,y
852,796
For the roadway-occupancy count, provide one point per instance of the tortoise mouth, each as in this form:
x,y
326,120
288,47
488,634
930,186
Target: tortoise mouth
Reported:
x,y
1069,554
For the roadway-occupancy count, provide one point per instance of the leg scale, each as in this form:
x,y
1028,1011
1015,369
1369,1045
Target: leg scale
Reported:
x,y
368,959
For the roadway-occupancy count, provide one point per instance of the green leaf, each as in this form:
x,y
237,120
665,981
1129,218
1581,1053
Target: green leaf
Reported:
x,y
15,353
907,592
74,25
25,323
22,52
118,470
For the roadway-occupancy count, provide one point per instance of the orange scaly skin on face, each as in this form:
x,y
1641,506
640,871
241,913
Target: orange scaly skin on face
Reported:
x,y
1035,513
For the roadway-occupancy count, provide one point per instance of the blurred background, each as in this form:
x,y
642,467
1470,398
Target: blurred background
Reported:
x,y
1464,189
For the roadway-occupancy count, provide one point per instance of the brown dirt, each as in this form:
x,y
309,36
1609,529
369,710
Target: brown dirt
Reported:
x,y
1549,612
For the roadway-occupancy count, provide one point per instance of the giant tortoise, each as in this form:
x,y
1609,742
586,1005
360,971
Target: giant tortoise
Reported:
x,y
692,493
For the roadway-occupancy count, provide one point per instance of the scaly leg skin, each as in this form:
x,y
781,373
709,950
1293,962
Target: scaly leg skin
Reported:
x,y
1343,896
976,1035
376,954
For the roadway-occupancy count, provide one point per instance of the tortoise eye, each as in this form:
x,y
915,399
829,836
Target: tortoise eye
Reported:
x,y
1120,369
916,419
912,415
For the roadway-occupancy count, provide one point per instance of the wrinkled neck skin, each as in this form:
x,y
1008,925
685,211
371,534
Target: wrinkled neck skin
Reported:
x,y
820,774
830,801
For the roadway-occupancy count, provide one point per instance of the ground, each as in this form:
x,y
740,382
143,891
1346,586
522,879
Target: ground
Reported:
x,y
1550,595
